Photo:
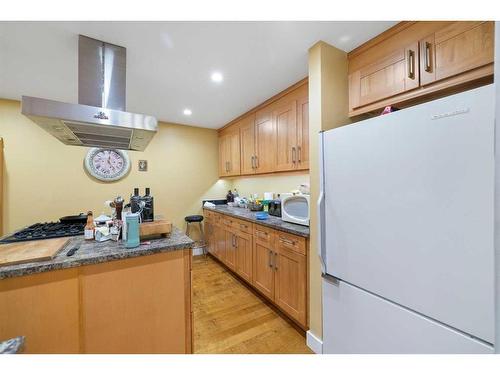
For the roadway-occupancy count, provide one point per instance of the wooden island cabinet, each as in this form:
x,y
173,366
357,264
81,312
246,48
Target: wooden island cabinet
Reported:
x,y
134,305
272,262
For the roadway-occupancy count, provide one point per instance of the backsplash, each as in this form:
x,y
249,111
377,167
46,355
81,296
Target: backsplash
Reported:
x,y
274,183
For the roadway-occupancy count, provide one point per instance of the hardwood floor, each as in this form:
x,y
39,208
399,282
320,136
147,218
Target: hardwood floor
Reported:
x,y
230,318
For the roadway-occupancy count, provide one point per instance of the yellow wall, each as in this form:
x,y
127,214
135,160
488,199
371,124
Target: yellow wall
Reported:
x,y
45,179
328,108
269,183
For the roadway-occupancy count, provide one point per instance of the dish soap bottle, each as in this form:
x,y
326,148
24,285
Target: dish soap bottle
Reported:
x,y
89,230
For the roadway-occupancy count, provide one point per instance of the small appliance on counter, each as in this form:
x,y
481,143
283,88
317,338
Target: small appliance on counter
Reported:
x,y
275,207
295,208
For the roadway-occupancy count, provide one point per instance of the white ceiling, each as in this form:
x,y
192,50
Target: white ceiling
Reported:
x,y
169,63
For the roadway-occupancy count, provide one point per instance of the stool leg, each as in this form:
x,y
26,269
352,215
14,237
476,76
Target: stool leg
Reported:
x,y
204,244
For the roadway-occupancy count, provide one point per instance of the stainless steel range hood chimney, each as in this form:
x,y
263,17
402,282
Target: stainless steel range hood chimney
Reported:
x,y
99,120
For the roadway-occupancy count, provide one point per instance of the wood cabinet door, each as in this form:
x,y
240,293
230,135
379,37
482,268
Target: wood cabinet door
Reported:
x,y
265,143
224,152
462,46
220,243
230,256
290,284
263,272
285,120
303,134
244,258
210,236
247,141
392,75
234,153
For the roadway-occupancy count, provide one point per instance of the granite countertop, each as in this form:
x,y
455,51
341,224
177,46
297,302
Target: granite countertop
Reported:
x,y
272,222
92,252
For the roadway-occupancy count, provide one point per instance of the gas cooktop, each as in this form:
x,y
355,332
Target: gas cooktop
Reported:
x,y
43,231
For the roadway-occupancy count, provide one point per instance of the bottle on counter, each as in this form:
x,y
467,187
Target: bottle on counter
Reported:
x,y
89,230
148,210
229,197
134,201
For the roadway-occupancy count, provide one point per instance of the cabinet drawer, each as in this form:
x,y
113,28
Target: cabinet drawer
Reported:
x,y
291,242
243,226
263,235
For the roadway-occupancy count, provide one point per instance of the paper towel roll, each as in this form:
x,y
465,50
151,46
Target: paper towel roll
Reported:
x,y
268,196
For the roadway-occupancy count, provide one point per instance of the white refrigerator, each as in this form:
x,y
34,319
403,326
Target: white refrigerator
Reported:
x,y
406,214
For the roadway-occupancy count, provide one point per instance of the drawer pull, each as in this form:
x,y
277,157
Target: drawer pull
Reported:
x,y
262,234
287,241
428,66
411,64
270,259
276,261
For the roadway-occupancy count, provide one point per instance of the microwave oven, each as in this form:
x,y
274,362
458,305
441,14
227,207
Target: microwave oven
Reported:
x,y
295,208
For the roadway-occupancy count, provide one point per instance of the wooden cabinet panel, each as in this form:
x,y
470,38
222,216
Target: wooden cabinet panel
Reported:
x,y
247,141
220,243
244,259
263,272
265,143
303,133
290,284
127,305
383,78
395,69
285,120
44,308
291,242
463,46
210,236
230,256
229,154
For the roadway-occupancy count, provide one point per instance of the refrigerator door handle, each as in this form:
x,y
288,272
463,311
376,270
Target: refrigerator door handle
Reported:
x,y
321,208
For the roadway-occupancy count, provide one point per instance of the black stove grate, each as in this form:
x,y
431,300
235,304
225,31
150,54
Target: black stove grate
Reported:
x,y
43,231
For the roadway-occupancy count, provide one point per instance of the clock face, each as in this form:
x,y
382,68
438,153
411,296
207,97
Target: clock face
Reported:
x,y
107,164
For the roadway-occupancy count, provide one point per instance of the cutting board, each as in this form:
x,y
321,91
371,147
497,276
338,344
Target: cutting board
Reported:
x,y
30,251
157,227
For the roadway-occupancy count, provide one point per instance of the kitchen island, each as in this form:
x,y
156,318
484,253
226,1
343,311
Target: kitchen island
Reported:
x,y
103,299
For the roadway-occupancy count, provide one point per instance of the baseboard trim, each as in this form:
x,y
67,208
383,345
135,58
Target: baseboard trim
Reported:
x,y
314,343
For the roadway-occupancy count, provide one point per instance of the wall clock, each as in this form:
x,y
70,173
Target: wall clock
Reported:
x,y
107,164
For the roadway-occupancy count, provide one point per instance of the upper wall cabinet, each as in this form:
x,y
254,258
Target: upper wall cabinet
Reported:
x,y
229,153
417,60
273,138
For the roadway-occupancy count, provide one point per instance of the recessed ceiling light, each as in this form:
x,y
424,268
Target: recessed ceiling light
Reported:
x,y
345,38
188,112
217,77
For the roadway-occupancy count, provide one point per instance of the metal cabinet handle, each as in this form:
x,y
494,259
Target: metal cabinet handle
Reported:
x,y
256,162
262,234
293,155
276,261
253,162
235,242
411,64
299,151
270,259
428,66
287,241
229,166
